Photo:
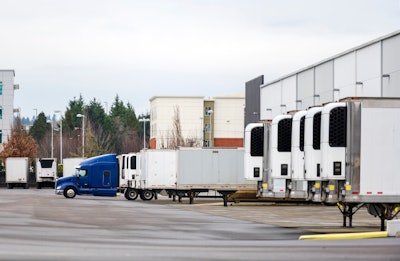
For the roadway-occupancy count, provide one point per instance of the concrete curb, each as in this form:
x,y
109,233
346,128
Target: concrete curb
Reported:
x,y
344,236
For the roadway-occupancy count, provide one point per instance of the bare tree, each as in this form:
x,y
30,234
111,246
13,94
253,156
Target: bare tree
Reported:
x,y
176,133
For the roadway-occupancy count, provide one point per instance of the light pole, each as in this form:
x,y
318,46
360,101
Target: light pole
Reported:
x,y
52,137
61,148
83,133
210,112
144,130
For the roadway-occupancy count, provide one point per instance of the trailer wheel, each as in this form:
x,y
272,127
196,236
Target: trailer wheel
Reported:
x,y
131,194
69,192
146,195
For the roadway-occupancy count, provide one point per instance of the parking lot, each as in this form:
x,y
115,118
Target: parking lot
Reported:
x,y
38,225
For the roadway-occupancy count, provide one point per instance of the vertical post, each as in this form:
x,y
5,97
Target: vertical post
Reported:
x,y
83,133
210,112
61,148
144,130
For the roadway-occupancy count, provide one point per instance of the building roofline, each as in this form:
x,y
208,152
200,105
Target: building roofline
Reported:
x,y
175,96
333,57
8,70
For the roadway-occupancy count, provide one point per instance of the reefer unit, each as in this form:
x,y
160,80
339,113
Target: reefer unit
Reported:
x,y
254,151
299,184
46,171
279,154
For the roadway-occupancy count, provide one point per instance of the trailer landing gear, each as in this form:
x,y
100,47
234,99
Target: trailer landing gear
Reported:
x,y
348,211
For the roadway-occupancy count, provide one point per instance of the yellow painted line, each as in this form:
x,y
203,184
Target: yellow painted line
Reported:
x,y
344,236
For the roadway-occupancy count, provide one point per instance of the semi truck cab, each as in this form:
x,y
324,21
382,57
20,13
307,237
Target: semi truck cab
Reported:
x,y
97,176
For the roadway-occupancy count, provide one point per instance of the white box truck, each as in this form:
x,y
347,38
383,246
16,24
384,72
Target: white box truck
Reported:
x,y
17,171
46,172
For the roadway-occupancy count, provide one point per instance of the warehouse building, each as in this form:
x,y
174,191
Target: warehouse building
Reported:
x,y
7,110
369,70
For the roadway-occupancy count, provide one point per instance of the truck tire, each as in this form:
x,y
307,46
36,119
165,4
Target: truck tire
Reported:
x,y
69,192
131,194
146,195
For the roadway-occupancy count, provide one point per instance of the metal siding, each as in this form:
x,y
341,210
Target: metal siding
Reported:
x,y
324,82
270,101
305,88
252,111
391,66
345,75
368,62
289,94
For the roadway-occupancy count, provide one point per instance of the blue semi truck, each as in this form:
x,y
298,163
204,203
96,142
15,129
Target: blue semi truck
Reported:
x,y
96,176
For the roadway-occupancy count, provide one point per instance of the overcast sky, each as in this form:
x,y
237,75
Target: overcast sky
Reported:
x,y
139,49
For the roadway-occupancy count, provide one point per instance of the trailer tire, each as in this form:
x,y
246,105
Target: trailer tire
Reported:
x,y
131,194
69,192
146,195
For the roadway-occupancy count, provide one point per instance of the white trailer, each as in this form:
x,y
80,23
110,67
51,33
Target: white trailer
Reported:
x,y
186,172
155,170
46,172
70,165
17,171
216,169
351,149
361,148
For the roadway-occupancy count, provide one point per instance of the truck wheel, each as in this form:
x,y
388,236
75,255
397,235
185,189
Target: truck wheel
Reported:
x,y
69,192
146,195
131,194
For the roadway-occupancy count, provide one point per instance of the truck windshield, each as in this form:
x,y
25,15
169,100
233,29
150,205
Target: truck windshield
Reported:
x,y
81,172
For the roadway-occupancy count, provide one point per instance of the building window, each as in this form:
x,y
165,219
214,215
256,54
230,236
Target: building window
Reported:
x,y
207,128
1,112
1,88
206,110
1,136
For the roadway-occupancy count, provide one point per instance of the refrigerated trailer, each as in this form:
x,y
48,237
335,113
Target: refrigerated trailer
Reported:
x,y
46,172
360,156
350,155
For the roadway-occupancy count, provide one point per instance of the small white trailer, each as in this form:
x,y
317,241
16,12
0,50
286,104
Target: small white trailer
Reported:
x,y
17,171
156,171
46,172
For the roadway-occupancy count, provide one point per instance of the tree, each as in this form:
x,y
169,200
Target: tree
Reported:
x,y
176,133
39,128
71,121
20,143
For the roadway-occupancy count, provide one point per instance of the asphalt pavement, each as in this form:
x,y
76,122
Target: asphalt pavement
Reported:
x,y
38,225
